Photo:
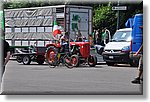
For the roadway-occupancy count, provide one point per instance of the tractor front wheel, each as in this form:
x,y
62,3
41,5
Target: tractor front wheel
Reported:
x,y
75,60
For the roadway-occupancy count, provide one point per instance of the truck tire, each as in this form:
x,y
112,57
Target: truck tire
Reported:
x,y
19,59
26,60
110,63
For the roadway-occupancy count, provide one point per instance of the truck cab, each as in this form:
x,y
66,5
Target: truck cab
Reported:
x,y
137,38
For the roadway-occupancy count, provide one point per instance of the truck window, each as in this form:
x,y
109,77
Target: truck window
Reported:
x,y
122,36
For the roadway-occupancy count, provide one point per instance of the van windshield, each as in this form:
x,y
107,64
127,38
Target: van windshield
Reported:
x,y
120,36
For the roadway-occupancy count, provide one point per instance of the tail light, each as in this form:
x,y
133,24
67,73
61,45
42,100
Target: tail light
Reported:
x,y
131,45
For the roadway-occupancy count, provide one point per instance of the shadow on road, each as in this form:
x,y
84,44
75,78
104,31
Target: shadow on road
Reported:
x,y
123,65
99,65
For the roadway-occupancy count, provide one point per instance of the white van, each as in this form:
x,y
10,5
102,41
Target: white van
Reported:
x,y
118,49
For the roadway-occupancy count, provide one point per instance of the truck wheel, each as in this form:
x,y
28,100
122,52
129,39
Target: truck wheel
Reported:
x,y
75,60
40,59
110,63
26,60
51,53
19,59
92,61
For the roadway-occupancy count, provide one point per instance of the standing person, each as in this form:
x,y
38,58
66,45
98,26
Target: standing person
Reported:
x,y
108,37
103,34
98,37
85,39
91,40
79,38
6,55
94,36
140,67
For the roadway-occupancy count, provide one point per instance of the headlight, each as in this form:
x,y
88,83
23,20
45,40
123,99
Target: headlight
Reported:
x,y
125,49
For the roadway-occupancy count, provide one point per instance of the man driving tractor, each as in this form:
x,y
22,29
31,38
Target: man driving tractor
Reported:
x,y
64,41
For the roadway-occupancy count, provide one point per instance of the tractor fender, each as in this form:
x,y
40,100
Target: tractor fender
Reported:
x,y
57,45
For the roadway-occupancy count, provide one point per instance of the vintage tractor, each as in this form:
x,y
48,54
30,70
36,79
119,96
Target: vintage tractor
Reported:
x,y
79,53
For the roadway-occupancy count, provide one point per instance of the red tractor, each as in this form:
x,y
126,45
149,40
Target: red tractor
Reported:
x,y
79,53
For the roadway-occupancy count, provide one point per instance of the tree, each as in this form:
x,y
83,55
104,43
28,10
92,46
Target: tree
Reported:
x,y
104,16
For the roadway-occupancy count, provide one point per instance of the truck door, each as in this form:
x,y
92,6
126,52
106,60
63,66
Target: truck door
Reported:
x,y
137,32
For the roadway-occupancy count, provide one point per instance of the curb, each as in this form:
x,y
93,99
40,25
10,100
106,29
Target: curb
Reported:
x,y
101,63
12,58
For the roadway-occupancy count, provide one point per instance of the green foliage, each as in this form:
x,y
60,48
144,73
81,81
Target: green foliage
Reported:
x,y
25,4
104,16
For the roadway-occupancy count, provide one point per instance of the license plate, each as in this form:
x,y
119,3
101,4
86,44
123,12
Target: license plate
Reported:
x,y
111,57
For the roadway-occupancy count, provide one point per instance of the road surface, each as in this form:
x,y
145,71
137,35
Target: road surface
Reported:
x,y
40,79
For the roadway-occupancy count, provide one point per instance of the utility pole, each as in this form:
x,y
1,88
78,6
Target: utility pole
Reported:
x,y
118,17
119,8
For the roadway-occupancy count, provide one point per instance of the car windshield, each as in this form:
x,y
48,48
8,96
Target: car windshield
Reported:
x,y
122,36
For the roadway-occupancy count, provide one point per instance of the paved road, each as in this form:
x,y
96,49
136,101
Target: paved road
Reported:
x,y
40,79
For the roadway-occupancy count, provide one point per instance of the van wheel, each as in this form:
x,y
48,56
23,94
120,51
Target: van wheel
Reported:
x,y
110,63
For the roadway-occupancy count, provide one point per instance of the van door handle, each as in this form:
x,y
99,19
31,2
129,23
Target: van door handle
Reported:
x,y
134,42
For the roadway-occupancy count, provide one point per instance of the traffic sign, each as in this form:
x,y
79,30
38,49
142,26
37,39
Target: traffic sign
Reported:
x,y
119,8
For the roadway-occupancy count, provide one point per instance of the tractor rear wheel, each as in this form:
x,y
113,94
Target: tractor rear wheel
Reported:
x,y
92,61
51,57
